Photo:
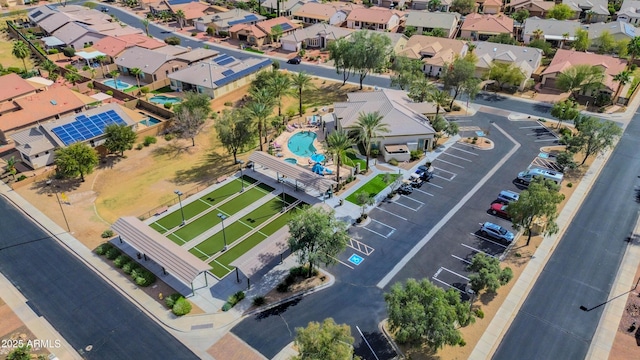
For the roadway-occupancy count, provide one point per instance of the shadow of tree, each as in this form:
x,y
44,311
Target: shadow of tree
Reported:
x,y
172,150
422,352
45,187
212,166
487,297
325,95
109,161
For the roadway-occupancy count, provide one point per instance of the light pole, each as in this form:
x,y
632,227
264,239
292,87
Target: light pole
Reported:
x,y
241,177
472,294
179,193
284,203
224,235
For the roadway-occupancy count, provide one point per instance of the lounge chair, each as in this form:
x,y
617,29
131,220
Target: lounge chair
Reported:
x,y
276,145
290,128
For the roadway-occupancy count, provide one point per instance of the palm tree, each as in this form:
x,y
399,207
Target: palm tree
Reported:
x,y
440,98
279,85
101,59
114,74
339,144
145,23
538,34
49,67
259,112
11,167
73,78
370,127
623,78
180,17
21,51
136,72
633,49
420,89
301,82
434,4
579,78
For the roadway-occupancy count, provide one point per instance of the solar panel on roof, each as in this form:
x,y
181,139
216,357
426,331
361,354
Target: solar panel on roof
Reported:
x,y
285,26
226,61
36,14
85,128
251,17
227,72
179,2
242,73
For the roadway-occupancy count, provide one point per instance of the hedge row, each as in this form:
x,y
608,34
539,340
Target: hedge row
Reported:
x,y
141,276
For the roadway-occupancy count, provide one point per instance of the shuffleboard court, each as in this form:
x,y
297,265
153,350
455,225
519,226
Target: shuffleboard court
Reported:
x,y
215,243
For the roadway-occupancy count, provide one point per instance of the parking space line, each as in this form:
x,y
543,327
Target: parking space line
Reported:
x,y
422,191
445,283
375,232
432,184
450,163
464,151
489,240
391,213
383,224
345,264
546,140
532,127
455,273
358,246
456,156
406,206
412,199
476,250
461,259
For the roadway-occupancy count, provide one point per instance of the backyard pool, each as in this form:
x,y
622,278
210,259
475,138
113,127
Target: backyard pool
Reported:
x,y
291,161
121,84
301,144
150,121
162,99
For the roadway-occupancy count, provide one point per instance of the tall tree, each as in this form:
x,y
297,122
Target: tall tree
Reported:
x,y
565,110
328,341
370,127
409,31
440,98
119,138
279,85
276,33
22,352
456,74
487,274
420,89
180,17
405,71
234,131
436,32
72,77
622,78
76,159
421,312
301,83
49,66
582,41
339,144
145,23
595,136
503,38
188,123
101,59
136,72
560,12
633,49
21,51
193,100
370,51
434,5
259,110
463,7
340,51
316,236
114,74
580,78
441,127
538,34
565,37
606,42
538,202
505,74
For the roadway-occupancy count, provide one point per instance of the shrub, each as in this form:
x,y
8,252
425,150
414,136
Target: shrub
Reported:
x,y
168,105
569,185
236,298
304,109
181,307
70,67
172,40
194,33
479,313
103,248
226,307
168,137
85,68
139,146
21,177
223,33
506,275
297,271
69,51
289,280
282,288
148,140
109,92
171,299
259,301
107,234
393,162
53,51
146,278
228,103
462,342
144,90
565,131
518,254
121,260
112,253
455,107
210,31
129,267
416,154
136,272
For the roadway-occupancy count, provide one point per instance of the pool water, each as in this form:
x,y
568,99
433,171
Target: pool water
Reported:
x,y
162,99
121,84
150,121
301,144
291,161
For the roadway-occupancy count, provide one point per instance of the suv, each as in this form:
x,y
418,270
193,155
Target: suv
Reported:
x,y
497,232
426,173
506,196
295,61
405,189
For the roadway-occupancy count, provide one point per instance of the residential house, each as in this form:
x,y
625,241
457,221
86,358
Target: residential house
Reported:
x,y
589,11
332,13
287,7
409,129
398,40
565,59
37,144
53,103
115,29
391,4
425,21
527,59
263,32
537,8
484,26
192,10
40,13
621,31
314,36
489,6
378,19
551,30
424,5
630,12
155,65
113,46
434,52
12,87
223,21
85,17
78,36
218,76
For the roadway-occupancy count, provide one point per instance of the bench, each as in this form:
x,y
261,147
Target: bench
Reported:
x,y
162,210
221,179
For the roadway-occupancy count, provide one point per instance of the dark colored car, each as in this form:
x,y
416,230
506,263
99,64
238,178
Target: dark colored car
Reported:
x,y
104,9
295,61
426,173
405,189
499,209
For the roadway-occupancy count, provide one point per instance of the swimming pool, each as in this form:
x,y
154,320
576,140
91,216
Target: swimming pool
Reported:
x,y
291,161
162,99
121,84
301,144
150,121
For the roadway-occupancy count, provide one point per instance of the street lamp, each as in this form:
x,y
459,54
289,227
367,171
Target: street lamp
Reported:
x,y
241,176
179,193
284,203
224,235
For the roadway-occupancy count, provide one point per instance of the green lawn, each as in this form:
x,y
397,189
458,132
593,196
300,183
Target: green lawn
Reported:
x,y
352,160
163,90
215,243
373,187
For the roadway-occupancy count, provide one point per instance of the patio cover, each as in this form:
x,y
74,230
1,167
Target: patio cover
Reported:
x,y
90,55
174,259
262,254
52,41
101,96
294,172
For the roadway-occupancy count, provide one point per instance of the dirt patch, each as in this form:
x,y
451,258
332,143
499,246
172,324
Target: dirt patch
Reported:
x,y
480,143
229,347
13,331
299,287
626,344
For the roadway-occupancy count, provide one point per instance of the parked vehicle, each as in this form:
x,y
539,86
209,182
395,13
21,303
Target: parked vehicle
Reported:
x,y
426,173
295,61
525,177
497,232
499,209
104,9
416,180
506,196
405,189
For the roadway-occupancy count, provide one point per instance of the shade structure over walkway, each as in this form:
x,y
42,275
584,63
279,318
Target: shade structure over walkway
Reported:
x,y
89,55
293,172
174,259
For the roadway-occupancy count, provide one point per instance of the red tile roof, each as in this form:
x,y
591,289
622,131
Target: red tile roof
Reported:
x,y
192,10
114,45
488,23
13,86
372,15
564,59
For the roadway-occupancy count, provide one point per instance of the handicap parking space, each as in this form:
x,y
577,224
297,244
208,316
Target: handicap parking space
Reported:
x,y
379,228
